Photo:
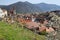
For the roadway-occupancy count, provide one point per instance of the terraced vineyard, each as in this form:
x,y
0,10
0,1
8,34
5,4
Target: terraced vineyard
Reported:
x,y
16,32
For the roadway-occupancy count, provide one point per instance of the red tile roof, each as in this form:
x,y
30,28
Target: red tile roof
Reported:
x,y
32,24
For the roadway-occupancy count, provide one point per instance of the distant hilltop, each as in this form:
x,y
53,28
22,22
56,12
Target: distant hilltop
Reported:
x,y
26,7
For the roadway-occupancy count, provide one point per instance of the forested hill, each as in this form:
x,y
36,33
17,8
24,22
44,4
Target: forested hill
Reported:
x,y
26,7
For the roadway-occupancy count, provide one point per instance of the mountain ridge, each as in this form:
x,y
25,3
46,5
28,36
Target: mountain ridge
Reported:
x,y
26,7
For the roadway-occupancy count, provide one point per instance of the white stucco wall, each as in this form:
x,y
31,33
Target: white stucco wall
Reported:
x,y
2,14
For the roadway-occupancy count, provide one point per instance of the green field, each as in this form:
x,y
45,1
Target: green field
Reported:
x,y
15,32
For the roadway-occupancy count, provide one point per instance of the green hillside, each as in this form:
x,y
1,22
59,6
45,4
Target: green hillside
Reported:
x,y
15,32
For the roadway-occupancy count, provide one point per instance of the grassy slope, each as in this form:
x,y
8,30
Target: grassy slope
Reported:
x,y
12,32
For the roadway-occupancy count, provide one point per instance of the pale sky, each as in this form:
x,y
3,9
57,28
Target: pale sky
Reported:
x,y
7,2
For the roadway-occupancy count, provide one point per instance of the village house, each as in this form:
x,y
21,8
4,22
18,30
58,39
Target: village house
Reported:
x,y
34,22
31,25
3,13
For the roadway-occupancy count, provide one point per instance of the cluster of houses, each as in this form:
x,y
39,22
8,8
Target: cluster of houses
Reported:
x,y
7,15
36,22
